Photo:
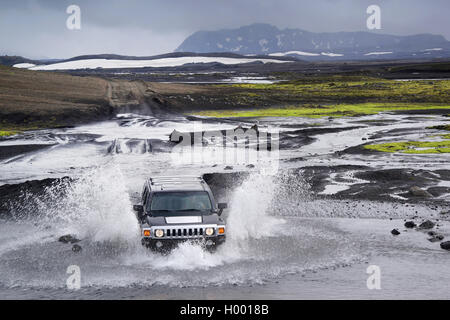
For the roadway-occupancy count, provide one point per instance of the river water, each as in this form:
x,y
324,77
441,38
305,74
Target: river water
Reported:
x,y
283,241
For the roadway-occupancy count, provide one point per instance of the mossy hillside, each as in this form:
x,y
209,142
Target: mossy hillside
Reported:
x,y
317,111
349,89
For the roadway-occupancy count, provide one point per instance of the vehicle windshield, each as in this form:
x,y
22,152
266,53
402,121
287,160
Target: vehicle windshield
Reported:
x,y
180,203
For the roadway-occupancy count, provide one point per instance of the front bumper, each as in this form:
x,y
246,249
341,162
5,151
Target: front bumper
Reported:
x,y
169,244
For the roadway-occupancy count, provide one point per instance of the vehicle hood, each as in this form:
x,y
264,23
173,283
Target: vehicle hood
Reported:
x,y
192,219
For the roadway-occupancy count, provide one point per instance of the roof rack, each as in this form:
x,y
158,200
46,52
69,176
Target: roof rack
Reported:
x,y
175,179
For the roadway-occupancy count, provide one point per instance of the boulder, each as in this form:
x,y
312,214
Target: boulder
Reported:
x,y
426,225
76,248
395,232
436,238
445,245
68,238
418,192
410,224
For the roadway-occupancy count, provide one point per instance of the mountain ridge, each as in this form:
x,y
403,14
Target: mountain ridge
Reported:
x,y
266,39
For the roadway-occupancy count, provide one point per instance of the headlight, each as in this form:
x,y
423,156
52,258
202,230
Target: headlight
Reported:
x,y
209,231
159,233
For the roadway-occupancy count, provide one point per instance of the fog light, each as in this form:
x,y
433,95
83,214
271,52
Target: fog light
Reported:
x,y
209,231
221,230
146,233
159,233
209,243
159,244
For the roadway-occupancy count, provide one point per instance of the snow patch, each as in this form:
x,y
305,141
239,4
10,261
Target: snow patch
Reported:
x,y
378,53
155,63
24,65
330,54
300,53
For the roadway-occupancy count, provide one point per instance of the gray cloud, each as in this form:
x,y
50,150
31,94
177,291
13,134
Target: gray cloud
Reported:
x,y
36,28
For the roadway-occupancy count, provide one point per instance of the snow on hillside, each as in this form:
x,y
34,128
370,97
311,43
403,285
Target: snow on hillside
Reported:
x,y
299,53
156,63
24,65
378,53
330,54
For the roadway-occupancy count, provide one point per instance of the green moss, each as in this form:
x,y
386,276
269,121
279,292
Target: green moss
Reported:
x,y
350,88
316,111
412,147
6,133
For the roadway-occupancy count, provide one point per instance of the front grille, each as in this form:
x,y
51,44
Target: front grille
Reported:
x,y
184,232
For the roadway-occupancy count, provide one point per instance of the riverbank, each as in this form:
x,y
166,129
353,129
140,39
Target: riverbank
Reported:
x,y
31,100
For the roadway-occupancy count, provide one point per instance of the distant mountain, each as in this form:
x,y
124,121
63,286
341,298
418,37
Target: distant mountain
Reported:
x,y
12,60
267,39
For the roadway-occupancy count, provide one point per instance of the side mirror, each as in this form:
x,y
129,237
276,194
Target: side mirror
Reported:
x,y
221,206
140,210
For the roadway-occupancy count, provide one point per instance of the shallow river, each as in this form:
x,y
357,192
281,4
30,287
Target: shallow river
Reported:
x,y
282,241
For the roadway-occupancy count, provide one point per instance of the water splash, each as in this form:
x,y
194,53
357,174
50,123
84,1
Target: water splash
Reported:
x,y
250,207
95,206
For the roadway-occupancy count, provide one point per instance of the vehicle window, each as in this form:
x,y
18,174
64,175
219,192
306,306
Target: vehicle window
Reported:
x,y
180,202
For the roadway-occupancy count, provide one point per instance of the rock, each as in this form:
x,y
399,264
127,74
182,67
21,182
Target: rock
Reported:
x,y
445,245
395,232
418,192
68,239
426,225
445,212
410,224
251,166
228,168
76,248
436,238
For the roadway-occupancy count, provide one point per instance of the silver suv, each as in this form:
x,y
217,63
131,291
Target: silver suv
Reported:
x,y
175,209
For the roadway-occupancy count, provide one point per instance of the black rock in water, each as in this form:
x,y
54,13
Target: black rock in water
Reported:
x,y
436,238
395,232
76,248
410,224
426,225
68,239
445,245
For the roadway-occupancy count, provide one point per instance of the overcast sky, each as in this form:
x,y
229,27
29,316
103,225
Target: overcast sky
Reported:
x,y
37,28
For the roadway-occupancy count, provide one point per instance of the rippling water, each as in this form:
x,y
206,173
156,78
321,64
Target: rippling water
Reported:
x,y
276,227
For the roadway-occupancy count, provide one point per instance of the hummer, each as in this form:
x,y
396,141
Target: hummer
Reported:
x,y
174,209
